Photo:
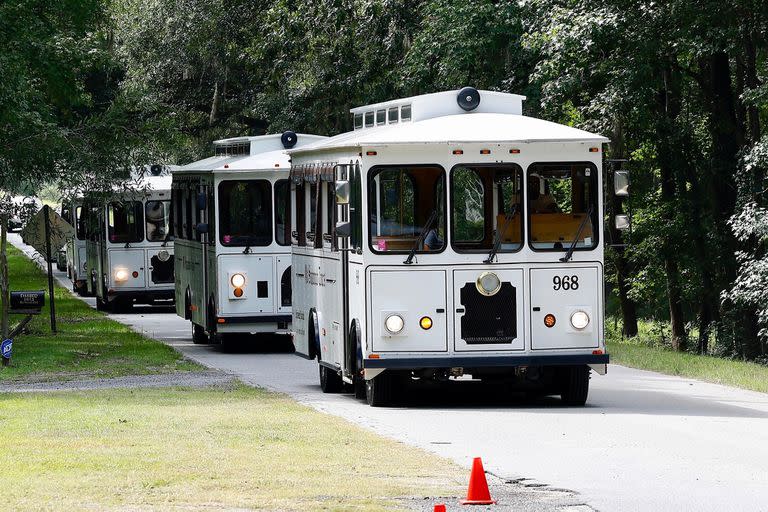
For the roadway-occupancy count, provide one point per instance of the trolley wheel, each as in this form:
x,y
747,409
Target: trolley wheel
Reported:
x,y
330,381
199,336
378,390
574,385
359,387
101,305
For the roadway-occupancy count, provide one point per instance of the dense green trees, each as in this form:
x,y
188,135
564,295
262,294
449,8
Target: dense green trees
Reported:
x,y
678,86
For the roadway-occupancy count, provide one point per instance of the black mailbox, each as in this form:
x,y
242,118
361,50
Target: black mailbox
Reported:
x,y
28,302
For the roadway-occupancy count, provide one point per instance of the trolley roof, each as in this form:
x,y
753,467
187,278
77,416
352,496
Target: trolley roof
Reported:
x,y
438,119
264,152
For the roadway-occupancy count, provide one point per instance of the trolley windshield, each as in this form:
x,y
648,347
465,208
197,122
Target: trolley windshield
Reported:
x,y
486,208
125,221
245,213
158,215
562,206
407,209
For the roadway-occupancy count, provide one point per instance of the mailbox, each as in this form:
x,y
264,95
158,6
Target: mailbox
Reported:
x,y
29,302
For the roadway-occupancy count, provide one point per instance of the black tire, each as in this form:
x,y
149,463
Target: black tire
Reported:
x,y
199,336
330,380
359,387
378,391
574,385
101,305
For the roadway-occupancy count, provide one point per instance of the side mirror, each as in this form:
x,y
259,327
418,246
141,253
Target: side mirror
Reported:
x,y
202,201
201,228
621,183
342,192
343,229
622,222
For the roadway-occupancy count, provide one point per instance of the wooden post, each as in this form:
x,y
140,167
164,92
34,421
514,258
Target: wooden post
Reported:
x,y
46,213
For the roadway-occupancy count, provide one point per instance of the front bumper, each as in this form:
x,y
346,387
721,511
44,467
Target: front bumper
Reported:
x,y
495,361
141,295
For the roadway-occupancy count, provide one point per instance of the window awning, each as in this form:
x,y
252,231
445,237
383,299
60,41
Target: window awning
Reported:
x,y
312,172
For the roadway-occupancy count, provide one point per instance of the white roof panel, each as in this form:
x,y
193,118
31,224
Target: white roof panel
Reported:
x,y
470,127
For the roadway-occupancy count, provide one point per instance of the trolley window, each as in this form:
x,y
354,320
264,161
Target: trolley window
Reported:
x,y
283,212
125,221
406,209
80,220
245,213
158,215
562,206
486,204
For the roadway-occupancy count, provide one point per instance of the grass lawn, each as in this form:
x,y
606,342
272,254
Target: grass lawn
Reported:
x,y
202,449
88,344
707,368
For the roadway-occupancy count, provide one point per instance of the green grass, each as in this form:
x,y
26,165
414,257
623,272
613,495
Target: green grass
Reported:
x,y
648,351
87,344
202,449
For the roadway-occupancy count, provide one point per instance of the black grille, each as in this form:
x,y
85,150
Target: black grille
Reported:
x,y
489,319
162,271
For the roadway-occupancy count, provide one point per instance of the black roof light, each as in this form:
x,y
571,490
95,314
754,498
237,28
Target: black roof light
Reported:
x,y
468,98
288,138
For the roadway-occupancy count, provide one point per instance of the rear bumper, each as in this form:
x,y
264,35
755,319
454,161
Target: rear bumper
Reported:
x,y
142,295
504,361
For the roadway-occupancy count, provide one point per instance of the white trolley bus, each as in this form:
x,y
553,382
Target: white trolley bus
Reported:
x,y
72,212
233,238
129,244
450,235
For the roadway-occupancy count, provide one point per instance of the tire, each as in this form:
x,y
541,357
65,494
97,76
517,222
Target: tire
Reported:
x,y
575,385
378,391
199,336
359,387
330,381
101,305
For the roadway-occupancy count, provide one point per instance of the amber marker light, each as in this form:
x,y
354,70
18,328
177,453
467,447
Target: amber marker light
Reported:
x,y
514,151
485,151
371,153
221,320
458,151
550,320
594,150
238,292
425,323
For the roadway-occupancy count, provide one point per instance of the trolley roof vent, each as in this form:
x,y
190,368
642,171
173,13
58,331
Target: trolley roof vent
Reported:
x,y
427,106
232,147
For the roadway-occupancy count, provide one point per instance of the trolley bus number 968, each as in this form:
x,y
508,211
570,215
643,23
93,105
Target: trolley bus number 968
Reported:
x,y
565,283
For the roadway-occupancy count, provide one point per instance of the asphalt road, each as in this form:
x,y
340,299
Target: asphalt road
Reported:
x,y
645,441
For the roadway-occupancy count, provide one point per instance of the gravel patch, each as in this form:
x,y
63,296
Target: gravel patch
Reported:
x,y
186,379
518,495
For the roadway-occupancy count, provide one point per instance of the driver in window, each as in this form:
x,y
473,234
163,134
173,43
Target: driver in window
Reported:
x,y
540,202
432,241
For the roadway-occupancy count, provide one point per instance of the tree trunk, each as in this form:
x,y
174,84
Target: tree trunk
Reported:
x,y
627,305
4,284
669,155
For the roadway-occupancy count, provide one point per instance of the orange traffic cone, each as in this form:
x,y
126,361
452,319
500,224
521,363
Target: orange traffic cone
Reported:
x,y
478,493
440,507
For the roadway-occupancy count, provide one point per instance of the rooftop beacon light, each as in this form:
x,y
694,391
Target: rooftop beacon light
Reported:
x,y
468,98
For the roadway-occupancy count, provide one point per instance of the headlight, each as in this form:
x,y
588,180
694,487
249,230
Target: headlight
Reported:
x,y
237,280
579,320
394,323
121,274
488,284
163,256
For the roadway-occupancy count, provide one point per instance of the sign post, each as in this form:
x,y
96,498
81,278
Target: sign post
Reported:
x,y
48,256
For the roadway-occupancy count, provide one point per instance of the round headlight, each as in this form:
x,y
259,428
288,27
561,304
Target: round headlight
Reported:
x,y
488,283
394,323
121,274
163,256
237,280
579,320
